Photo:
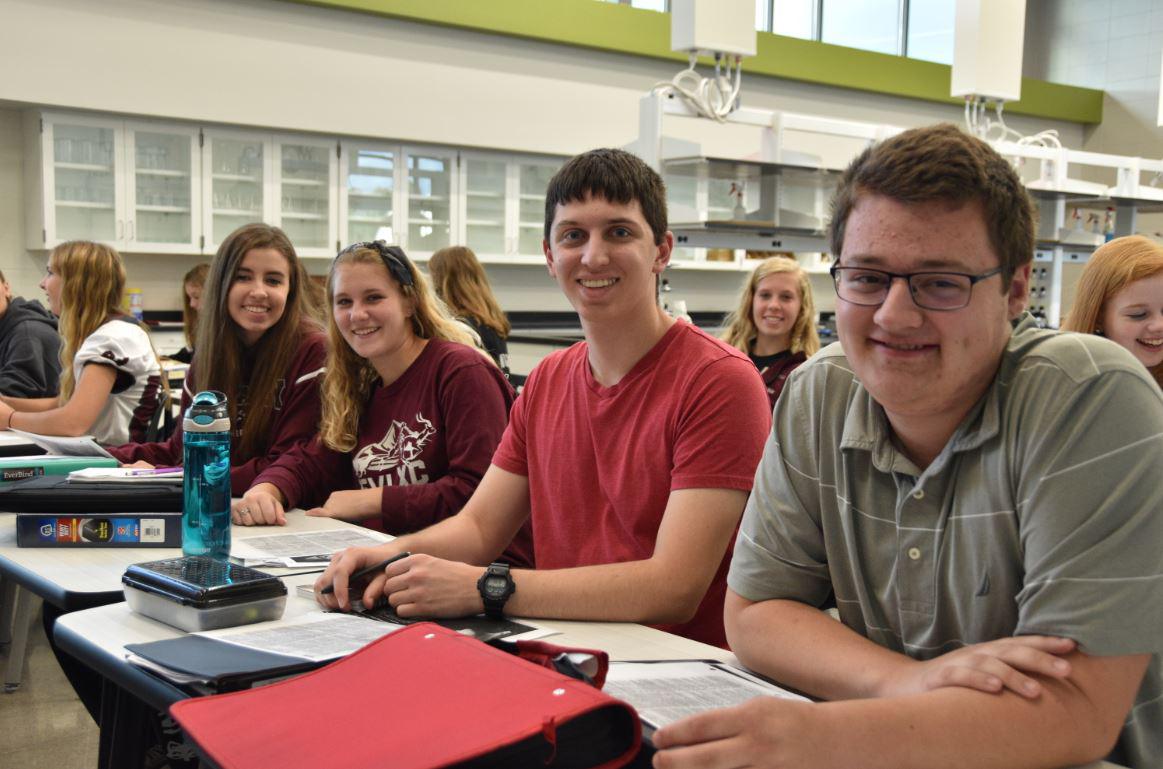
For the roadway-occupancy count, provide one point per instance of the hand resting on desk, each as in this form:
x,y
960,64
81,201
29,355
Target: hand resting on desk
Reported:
x,y
352,505
261,505
338,576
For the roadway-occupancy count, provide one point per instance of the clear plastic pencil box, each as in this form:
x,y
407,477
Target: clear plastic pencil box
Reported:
x,y
199,593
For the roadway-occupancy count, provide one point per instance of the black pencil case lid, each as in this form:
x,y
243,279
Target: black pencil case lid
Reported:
x,y
203,582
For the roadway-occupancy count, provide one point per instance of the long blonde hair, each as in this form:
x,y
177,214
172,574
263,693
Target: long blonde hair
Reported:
x,y
741,332
460,280
349,378
195,277
1111,268
220,354
92,280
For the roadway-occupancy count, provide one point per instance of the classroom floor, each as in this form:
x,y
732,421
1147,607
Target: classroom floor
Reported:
x,y
42,724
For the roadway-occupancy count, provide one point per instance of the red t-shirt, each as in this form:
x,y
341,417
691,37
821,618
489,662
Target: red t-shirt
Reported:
x,y
426,440
296,418
602,461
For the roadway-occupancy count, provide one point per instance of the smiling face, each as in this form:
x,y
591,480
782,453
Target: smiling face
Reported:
x,y
1134,319
604,258
926,368
774,311
371,312
258,293
51,285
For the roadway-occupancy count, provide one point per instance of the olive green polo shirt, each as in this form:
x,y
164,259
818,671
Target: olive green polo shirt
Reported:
x,y
1043,513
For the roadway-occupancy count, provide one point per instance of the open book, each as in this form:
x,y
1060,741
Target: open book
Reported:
x,y
84,446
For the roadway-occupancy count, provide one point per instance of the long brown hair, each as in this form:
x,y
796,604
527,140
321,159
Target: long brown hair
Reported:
x,y
195,277
219,356
1111,268
460,280
741,331
349,377
92,282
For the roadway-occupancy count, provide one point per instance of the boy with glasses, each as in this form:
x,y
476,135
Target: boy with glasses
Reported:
x,y
979,497
631,453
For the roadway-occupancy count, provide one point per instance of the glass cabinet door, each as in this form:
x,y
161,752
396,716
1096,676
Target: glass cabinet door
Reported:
x,y
485,183
429,206
237,174
532,179
305,176
162,188
84,189
366,202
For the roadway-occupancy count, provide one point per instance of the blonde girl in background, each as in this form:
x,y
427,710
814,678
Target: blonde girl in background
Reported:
x,y
111,381
460,280
192,283
1120,296
412,411
775,321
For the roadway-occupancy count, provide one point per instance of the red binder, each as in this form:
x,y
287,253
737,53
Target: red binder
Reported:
x,y
422,697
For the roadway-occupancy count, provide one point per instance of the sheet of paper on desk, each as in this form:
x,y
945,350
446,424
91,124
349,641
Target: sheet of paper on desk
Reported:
x,y
124,475
302,548
665,692
84,446
316,635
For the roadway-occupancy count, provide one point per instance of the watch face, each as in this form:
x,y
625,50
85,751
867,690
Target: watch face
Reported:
x,y
495,585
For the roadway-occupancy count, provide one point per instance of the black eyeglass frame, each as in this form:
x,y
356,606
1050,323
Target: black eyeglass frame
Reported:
x,y
907,277
394,259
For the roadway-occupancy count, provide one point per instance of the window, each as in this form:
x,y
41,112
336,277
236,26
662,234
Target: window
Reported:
x,y
930,31
872,25
794,18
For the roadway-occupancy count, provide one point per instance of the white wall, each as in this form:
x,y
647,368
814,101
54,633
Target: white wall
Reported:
x,y
297,67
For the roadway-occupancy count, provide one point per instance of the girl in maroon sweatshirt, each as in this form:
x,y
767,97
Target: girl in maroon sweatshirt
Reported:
x,y
412,411
258,344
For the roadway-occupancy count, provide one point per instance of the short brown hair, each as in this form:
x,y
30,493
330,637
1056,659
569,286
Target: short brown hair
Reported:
x,y
615,175
942,163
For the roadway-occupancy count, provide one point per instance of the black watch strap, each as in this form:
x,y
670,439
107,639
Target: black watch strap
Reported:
x,y
495,587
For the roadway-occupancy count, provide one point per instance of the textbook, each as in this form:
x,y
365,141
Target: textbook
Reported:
x,y
20,468
119,530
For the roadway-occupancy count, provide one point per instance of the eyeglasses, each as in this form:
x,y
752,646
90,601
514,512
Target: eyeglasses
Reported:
x,y
393,257
929,290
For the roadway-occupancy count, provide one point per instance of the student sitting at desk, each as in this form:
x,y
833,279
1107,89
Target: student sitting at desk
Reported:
x,y
460,280
111,383
192,285
631,453
980,497
412,412
259,346
1120,296
775,322
30,366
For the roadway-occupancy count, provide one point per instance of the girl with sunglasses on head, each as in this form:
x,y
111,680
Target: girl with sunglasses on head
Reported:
x,y
775,322
111,383
1120,296
258,344
412,411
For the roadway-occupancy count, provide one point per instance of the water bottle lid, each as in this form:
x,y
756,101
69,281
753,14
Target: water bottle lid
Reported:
x,y
207,413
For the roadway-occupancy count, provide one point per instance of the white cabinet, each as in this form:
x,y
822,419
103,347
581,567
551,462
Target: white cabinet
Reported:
x,y
432,185
367,192
306,180
503,206
132,184
239,177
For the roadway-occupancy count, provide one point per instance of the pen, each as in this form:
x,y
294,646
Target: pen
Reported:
x,y
329,589
155,471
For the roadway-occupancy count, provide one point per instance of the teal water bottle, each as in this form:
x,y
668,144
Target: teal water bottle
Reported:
x,y
206,480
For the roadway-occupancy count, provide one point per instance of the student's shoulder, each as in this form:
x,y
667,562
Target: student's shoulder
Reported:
x,y
120,331
310,356
448,357
1043,354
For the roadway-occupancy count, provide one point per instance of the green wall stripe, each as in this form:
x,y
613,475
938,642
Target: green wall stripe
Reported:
x,y
622,29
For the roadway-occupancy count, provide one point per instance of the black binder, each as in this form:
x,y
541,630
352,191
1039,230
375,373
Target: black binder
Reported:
x,y
54,494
